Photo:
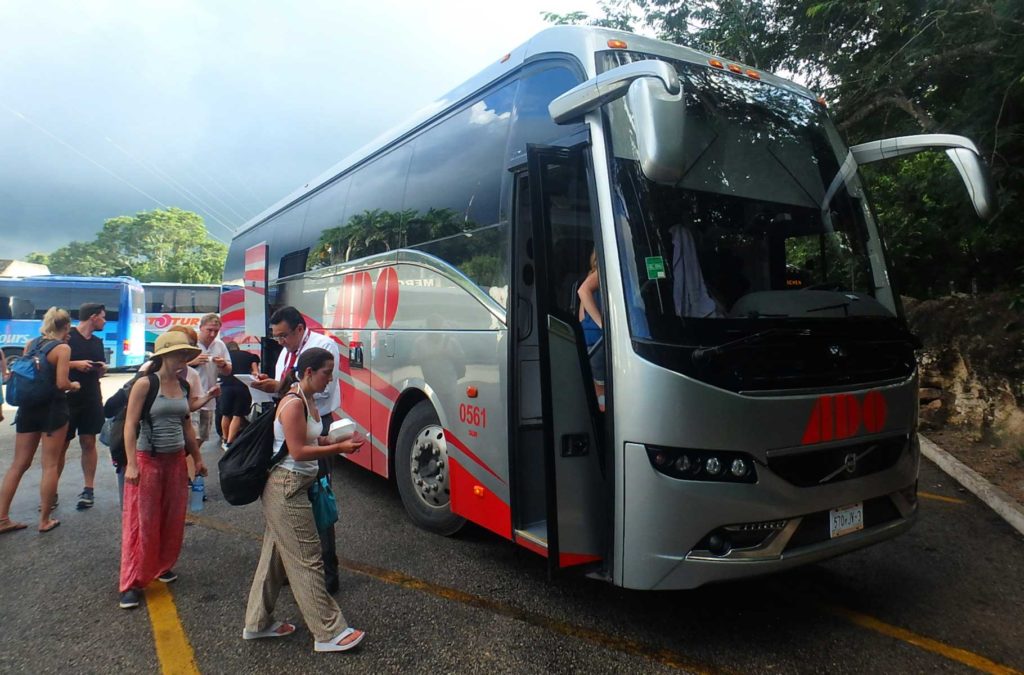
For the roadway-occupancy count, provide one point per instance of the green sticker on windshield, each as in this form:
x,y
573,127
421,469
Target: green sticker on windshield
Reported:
x,y
655,267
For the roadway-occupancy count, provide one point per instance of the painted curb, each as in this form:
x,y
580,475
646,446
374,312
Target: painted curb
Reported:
x,y
998,500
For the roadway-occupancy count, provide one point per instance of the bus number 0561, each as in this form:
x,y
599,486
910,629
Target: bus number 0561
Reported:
x,y
473,415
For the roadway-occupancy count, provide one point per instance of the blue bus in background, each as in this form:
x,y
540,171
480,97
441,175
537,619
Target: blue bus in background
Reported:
x,y
24,301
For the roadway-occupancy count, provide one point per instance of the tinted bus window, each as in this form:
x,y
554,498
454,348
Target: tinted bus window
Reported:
x,y
234,266
322,229
25,302
457,168
454,190
533,122
375,201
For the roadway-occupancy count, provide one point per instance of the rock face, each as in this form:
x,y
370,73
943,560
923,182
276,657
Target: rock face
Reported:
x,y
972,365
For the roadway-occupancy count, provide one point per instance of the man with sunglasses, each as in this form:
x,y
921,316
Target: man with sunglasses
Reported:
x,y
288,328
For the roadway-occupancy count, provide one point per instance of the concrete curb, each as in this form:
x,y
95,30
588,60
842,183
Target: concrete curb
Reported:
x,y
998,500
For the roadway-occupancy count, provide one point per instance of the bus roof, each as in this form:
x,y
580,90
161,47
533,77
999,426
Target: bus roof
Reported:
x,y
179,284
580,42
57,279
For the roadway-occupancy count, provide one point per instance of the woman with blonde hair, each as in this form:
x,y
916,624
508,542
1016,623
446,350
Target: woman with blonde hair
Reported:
x,y
46,421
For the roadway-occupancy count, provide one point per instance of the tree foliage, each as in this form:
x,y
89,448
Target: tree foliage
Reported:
x,y
161,245
889,68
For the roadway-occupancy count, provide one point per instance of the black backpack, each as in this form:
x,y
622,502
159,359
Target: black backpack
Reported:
x,y
249,458
116,410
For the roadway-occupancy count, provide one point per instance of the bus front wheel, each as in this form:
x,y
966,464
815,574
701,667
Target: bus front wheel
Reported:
x,y
422,471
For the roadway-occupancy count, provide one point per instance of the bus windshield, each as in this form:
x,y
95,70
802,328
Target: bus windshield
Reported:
x,y
763,225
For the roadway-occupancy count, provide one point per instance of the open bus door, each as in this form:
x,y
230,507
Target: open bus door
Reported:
x,y
565,516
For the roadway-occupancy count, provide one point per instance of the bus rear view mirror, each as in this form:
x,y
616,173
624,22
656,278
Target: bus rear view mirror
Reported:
x,y
658,117
654,96
961,151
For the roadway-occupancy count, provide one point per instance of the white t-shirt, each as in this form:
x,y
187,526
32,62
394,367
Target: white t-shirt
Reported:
x,y
208,371
327,401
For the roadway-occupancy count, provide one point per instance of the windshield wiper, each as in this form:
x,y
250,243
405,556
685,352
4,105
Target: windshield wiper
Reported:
x,y
705,354
845,306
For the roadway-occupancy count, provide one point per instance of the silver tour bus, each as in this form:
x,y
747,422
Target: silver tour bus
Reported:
x,y
761,386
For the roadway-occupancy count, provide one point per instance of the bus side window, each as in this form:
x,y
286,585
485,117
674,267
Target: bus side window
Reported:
x,y
22,308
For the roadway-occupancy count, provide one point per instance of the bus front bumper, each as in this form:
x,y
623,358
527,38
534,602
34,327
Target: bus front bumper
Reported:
x,y
728,532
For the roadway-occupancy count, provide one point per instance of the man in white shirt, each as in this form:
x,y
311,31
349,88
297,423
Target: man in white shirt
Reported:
x,y
212,360
289,329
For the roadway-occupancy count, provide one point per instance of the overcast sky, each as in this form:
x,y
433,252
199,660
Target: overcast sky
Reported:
x,y
109,107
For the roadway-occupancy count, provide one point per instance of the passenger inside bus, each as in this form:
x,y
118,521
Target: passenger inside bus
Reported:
x,y
592,321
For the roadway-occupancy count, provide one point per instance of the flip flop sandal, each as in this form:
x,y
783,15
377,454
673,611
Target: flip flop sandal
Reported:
x,y
335,645
276,629
53,524
10,526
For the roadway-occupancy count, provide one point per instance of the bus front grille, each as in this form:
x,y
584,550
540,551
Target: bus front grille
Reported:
x,y
832,465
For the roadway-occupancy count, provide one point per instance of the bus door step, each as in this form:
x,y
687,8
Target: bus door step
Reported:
x,y
535,533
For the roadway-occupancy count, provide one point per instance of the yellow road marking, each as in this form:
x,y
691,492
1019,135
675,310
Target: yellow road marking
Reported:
x,y
953,653
663,656
172,647
940,498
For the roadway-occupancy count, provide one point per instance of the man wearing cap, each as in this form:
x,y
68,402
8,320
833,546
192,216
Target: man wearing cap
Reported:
x,y
289,329
213,360
88,364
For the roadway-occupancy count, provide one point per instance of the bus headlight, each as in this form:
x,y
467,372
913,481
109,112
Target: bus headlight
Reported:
x,y
703,465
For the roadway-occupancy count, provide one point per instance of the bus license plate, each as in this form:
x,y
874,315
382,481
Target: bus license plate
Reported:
x,y
845,520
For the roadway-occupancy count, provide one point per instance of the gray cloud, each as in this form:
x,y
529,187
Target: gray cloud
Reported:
x,y
221,108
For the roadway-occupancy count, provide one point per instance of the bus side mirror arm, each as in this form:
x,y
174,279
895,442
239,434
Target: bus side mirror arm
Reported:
x,y
609,86
656,108
961,151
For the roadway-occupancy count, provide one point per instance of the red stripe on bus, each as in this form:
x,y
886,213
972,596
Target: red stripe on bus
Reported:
x,y
532,546
369,379
570,559
450,437
474,502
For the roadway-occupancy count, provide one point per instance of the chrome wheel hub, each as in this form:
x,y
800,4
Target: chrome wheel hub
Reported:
x,y
428,465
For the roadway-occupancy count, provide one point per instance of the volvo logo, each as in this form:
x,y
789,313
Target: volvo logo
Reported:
x,y
836,352
849,465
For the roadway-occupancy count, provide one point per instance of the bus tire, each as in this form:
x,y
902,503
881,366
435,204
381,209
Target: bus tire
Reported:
x,y
421,471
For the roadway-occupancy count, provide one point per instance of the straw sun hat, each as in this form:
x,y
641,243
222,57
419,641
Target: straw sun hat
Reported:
x,y
175,342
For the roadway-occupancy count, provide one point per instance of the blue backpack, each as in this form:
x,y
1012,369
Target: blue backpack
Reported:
x,y
32,378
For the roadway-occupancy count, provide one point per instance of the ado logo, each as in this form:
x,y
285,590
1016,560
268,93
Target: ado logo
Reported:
x,y
842,416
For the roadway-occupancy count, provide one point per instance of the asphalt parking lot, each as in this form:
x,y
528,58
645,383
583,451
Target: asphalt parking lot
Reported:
x,y
946,597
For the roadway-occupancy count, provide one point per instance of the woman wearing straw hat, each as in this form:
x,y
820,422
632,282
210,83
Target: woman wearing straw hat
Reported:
x,y
155,497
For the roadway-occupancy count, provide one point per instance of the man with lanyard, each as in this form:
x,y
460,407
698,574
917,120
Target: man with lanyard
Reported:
x,y
289,329
213,359
88,365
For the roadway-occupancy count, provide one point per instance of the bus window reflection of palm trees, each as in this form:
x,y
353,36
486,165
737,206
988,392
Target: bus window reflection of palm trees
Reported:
x,y
440,232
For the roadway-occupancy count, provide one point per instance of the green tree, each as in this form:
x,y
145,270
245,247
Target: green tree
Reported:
x,y
38,258
161,245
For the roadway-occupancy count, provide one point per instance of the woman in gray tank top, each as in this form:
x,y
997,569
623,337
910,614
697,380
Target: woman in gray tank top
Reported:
x,y
155,493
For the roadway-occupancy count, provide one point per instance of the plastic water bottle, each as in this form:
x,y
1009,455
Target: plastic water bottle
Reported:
x,y
198,491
